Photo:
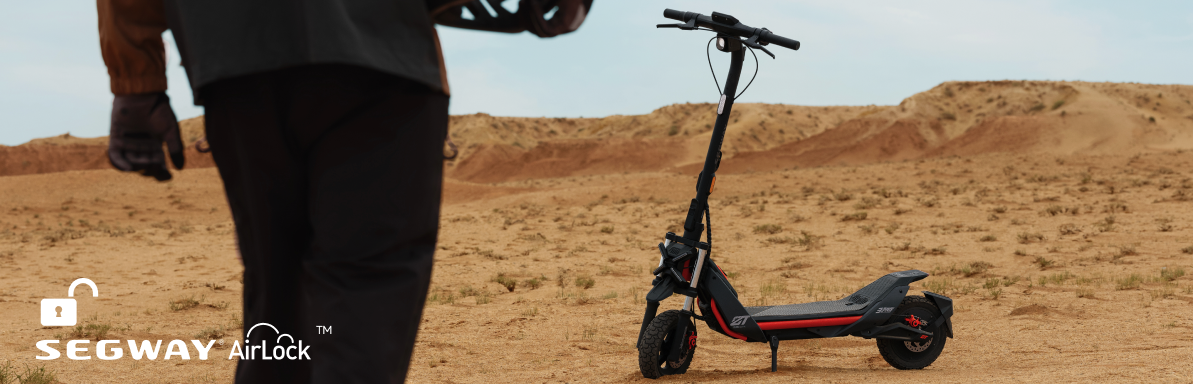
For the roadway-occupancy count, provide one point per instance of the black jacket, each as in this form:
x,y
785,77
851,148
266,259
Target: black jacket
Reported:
x,y
221,39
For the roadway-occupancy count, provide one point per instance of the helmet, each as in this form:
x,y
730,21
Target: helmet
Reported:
x,y
568,16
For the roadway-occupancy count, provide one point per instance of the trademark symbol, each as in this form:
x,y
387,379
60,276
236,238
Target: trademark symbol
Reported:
x,y
323,329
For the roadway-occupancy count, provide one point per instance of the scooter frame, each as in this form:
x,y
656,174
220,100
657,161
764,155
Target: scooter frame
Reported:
x,y
705,286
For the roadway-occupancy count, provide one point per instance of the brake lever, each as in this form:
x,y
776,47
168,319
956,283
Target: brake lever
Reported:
x,y
688,26
752,42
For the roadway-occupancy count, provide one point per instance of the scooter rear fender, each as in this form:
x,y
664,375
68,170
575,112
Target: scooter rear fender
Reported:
x,y
945,305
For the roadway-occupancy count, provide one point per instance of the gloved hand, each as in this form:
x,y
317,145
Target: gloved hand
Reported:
x,y
140,123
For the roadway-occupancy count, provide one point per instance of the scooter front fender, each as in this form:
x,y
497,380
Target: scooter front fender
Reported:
x,y
661,291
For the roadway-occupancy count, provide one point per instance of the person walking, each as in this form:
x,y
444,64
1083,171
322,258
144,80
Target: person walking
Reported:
x,y
326,120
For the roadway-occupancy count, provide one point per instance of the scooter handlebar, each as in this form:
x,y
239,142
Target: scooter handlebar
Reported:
x,y
736,28
781,41
675,15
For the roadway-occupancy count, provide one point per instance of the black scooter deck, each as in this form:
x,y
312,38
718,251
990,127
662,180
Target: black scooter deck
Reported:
x,y
852,305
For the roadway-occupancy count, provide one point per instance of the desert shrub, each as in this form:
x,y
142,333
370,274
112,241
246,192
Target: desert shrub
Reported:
x,y
975,268
937,251
843,195
534,283
769,229
1106,225
505,281
1170,274
468,290
856,216
988,238
794,263
182,304
489,254
444,297
585,282
808,240
1069,229
866,203
29,375
1131,281
940,286
212,333
90,331
1055,210
1027,237
1115,208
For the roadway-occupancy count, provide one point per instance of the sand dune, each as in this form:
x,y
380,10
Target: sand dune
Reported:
x,y
954,118
968,118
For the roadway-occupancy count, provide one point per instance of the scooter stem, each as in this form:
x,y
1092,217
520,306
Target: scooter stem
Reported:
x,y
692,225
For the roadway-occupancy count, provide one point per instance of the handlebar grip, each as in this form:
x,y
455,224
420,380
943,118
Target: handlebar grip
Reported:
x,y
781,41
674,15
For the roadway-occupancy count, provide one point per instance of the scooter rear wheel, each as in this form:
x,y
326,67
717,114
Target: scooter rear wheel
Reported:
x,y
656,343
913,355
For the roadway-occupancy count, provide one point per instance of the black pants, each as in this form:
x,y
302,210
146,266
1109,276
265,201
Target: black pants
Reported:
x,y
333,174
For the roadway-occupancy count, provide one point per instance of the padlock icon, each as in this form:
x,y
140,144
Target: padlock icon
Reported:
x,y
64,312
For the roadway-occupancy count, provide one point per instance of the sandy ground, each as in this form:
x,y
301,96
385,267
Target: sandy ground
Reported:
x,y
1054,213
1063,268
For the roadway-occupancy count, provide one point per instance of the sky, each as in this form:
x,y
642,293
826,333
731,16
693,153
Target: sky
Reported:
x,y
861,52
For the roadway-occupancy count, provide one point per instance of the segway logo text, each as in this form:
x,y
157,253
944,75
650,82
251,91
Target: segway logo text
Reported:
x,y
146,349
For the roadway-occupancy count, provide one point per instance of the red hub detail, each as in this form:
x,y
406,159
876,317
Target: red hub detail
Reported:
x,y
914,321
692,341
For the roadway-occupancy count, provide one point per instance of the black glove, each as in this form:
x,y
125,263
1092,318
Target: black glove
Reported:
x,y
140,123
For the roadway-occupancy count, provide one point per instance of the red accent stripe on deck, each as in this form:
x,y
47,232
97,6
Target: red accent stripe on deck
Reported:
x,y
792,324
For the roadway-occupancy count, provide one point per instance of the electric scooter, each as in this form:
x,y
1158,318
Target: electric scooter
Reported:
x,y
910,330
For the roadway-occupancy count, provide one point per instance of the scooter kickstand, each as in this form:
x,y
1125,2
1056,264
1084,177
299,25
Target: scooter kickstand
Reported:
x,y
774,353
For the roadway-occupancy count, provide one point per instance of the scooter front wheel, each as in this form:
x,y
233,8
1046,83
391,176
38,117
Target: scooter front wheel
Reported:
x,y
657,341
915,311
